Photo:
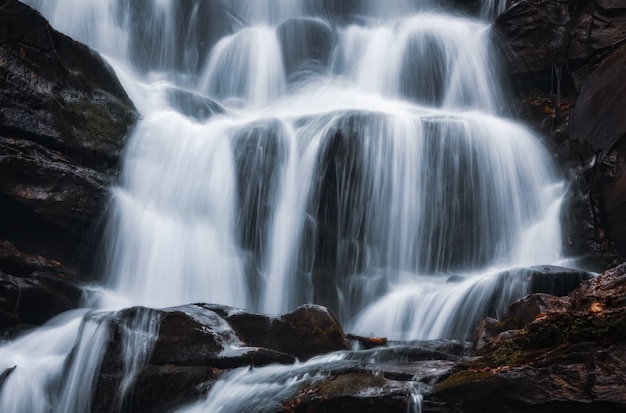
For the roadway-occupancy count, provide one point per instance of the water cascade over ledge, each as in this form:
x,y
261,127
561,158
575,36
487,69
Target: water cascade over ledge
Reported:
x,y
302,152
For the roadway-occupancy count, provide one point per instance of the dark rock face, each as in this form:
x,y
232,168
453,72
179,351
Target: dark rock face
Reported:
x,y
534,36
555,280
548,352
64,118
598,115
32,289
565,60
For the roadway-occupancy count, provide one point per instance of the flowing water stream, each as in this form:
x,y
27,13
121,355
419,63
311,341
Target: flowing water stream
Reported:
x,y
352,154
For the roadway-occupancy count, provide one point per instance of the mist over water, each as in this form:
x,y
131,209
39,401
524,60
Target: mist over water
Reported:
x,y
351,154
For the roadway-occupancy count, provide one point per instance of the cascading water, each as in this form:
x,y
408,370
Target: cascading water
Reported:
x,y
342,153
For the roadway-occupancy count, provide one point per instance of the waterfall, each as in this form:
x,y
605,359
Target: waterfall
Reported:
x,y
352,154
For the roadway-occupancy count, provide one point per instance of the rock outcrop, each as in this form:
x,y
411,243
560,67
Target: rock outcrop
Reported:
x,y
548,353
64,119
565,60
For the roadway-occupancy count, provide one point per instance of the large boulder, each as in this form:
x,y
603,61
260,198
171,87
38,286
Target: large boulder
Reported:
x,y
185,349
64,119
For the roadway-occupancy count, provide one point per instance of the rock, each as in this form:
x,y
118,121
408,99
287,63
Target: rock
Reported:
x,y
572,354
59,93
64,118
167,387
598,115
559,281
306,46
598,121
195,344
188,42
32,289
607,291
194,104
351,391
308,331
533,37
424,75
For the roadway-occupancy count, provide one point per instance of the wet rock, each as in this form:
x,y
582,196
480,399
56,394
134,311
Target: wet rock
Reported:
x,y
32,289
59,93
193,345
193,104
533,36
308,331
351,391
163,388
425,70
598,121
598,116
188,41
555,280
571,356
306,46
64,118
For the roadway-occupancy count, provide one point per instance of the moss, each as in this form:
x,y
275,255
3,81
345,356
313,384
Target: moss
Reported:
x,y
351,383
100,128
461,378
552,331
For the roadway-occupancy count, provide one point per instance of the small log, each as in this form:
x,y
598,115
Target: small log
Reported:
x,y
368,342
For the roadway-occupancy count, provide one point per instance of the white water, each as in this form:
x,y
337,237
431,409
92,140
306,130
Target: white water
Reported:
x,y
360,175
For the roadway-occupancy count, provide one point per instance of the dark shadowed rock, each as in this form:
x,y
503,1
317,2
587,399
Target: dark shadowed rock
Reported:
x,y
64,118
598,120
32,289
533,36
598,117
559,281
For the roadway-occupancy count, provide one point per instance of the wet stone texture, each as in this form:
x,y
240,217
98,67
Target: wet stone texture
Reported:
x,y
547,353
64,119
565,62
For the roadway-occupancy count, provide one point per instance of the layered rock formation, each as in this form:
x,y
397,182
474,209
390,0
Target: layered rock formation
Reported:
x,y
64,118
565,60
